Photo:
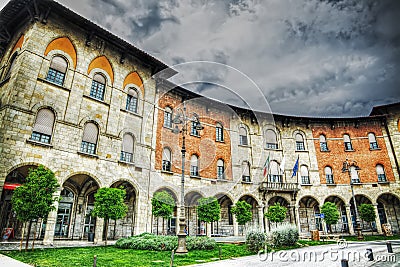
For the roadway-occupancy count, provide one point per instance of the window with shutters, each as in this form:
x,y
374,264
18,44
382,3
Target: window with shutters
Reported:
x,y
347,143
168,117
43,128
329,175
373,144
127,148
132,100
89,139
274,175
219,132
166,160
57,70
193,129
98,86
194,166
243,140
271,140
322,143
246,172
380,171
10,66
220,169
305,178
300,142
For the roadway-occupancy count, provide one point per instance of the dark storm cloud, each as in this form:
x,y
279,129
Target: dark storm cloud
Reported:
x,y
309,57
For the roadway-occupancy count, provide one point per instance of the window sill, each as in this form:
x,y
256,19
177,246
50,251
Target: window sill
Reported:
x,y
243,182
325,150
306,184
273,149
195,176
346,150
331,184
167,172
37,143
97,100
132,113
222,180
54,84
87,154
126,162
243,145
301,151
373,149
384,182
220,141
195,135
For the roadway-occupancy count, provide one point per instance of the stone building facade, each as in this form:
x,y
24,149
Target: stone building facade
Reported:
x,y
85,104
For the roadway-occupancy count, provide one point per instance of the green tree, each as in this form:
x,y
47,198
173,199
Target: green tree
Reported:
x,y
242,211
276,213
162,206
109,204
367,213
208,209
331,214
34,199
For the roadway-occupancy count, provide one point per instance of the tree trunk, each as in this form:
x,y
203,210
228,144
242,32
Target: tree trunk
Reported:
x,y
106,231
372,229
115,226
330,228
34,235
22,237
163,225
27,238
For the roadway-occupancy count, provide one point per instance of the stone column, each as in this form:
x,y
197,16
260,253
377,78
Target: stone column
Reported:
x,y
98,232
261,218
377,220
51,222
297,208
349,221
208,225
292,214
235,226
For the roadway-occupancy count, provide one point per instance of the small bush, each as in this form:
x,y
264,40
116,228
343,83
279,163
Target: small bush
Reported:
x,y
255,240
147,241
284,235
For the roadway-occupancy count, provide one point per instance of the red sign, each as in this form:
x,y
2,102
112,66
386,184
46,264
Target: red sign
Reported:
x,y
8,186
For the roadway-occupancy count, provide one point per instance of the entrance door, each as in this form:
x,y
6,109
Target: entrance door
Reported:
x,y
90,221
63,219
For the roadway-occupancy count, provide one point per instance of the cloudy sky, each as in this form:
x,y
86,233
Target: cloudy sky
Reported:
x,y
308,57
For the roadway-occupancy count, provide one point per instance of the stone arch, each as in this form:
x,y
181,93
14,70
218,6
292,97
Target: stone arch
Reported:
x,y
284,202
252,200
388,205
94,177
135,79
360,199
103,63
87,119
309,214
192,197
224,227
343,224
63,44
169,226
194,226
169,190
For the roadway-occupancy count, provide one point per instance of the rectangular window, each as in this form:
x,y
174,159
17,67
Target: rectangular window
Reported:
x,y
194,171
305,179
168,119
324,146
126,156
246,179
220,172
131,103
299,145
88,148
272,178
373,145
355,181
382,178
219,135
97,90
272,146
243,140
329,179
55,76
166,165
348,146
39,137
193,130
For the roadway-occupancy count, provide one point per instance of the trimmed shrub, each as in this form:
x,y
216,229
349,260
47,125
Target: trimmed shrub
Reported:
x,y
284,235
255,240
148,241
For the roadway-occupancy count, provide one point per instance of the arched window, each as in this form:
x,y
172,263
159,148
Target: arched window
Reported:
x,y
127,148
305,178
10,66
372,141
329,175
347,142
274,174
57,70
43,128
219,132
220,169
243,140
354,175
168,117
194,166
98,86
246,172
166,159
132,100
299,142
380,171
89,139
271,141
322,142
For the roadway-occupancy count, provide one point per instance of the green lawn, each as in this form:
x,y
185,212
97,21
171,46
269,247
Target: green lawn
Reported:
x,y
372,238
111,256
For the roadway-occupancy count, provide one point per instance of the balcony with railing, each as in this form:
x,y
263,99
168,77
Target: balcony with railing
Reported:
x,y
279,186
